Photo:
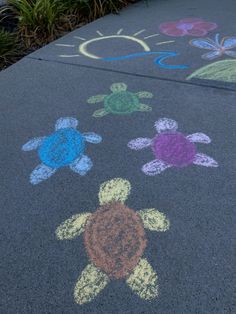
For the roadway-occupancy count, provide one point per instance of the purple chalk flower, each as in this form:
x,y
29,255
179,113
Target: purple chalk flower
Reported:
x,y
172,148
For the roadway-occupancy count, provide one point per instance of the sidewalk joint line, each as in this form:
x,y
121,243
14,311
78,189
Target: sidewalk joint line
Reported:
x,y
136,74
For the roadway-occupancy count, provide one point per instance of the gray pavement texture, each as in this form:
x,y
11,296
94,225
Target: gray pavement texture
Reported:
x,y
195,259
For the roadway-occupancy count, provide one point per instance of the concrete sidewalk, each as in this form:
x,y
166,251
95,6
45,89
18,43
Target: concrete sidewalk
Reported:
x,y
194,258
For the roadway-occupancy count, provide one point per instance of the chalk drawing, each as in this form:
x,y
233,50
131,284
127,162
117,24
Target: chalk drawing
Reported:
x,y
64,147
217,48
224,71
115,240
85,49
172,148
187,26
120,101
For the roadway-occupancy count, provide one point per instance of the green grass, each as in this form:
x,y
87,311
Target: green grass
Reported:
x,y
39,21
42,21
8,48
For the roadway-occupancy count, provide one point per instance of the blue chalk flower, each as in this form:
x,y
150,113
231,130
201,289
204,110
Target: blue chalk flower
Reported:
x,y
218,48
64,147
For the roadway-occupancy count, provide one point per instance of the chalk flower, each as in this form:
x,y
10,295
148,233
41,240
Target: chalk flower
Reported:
x,y
188,26
218,48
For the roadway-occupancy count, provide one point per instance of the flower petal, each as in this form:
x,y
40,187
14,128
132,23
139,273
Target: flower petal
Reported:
x,y
229,42
92,137
154,167
166,25
191,20
174,32
230,53
197,32
199,138
204,160
204,43
140,143
67,122
212,55
165,124
115,190
207,26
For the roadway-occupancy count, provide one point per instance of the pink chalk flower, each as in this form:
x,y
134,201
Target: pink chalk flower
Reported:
x,y
189,26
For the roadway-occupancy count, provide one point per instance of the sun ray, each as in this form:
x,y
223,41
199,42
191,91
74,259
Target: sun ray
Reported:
x,y
139,32
69,56
165,42
150,36
64,45
119,31
99,33
81,38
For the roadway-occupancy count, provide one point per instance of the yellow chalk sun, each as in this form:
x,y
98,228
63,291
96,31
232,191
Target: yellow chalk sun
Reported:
x,y
84,46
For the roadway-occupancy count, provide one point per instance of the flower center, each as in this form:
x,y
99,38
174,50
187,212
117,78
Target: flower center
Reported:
x,y
185,26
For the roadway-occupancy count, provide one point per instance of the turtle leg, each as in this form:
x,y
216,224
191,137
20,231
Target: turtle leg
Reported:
x,y
40,173
144,94
204,160
81,165
90,283
199,138
140,143
144,108
91,137
72,227
154,167
33,144
154,220
100,113
67,122
96,99
143,280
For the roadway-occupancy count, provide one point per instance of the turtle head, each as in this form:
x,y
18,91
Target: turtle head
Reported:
x,y
118,87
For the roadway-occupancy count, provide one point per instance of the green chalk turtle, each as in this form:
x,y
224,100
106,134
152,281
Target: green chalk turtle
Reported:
x,y
120,101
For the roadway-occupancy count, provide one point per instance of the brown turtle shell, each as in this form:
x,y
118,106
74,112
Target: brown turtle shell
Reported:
x,y
115,239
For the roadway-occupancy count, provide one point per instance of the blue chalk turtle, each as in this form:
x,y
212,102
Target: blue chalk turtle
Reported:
x,y
64,147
